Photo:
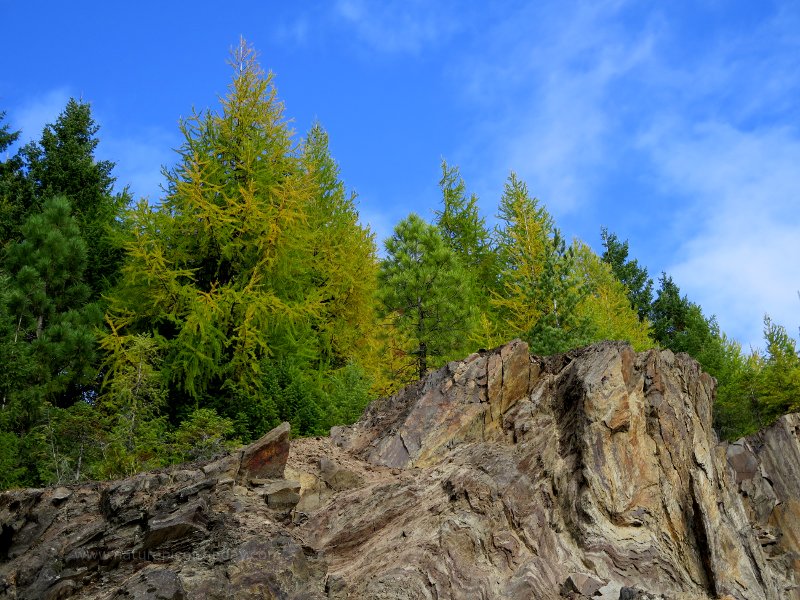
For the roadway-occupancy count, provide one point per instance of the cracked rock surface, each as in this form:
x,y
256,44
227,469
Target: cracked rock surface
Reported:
x,y
593,474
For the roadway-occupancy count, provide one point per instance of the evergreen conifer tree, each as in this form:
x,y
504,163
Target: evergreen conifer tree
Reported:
x,y
465,232
63,163
632,276
48,300
606,305
10,175
48,349
424,291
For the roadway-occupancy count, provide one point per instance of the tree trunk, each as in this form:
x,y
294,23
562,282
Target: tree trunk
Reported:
x,y
422,359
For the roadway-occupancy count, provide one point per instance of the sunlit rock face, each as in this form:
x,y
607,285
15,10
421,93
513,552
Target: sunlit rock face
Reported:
x,y
593,474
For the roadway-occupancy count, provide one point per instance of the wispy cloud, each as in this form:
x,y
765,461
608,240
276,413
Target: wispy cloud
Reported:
x,y
138,155
738,259
727,150
398,26
549,73
295,31
139,159
31,116
571,95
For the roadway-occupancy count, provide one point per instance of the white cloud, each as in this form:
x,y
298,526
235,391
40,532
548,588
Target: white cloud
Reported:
x,y
580,94
398,26
32,116
739,261
547,75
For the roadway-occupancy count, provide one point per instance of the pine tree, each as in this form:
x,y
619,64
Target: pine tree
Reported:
x,y
63,163
424,291
462,227
674,319
10,175
48,349
49,302
465,232
639,286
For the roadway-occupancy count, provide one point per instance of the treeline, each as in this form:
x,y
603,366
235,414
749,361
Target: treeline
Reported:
x,y
134,335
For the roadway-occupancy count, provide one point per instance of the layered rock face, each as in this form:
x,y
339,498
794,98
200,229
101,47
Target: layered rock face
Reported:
x,y
506,475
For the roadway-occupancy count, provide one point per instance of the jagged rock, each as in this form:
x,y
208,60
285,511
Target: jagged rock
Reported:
x,y
628,593
282,494
266,458
593,474
767,471
582,585
337,477
152,584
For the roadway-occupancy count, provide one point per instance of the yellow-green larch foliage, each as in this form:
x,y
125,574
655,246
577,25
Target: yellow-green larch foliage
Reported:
x,y
230,272
344,264
522,241
539,286
606,305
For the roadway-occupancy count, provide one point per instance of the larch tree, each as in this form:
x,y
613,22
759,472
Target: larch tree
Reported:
x,y
343,261
540,288
425,293
242,276
606,305
779,379
216,273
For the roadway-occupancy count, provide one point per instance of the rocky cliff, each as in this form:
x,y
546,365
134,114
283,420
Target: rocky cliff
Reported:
x,y
591,474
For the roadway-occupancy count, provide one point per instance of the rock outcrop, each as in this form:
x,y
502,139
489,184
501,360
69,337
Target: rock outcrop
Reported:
x,y
593,474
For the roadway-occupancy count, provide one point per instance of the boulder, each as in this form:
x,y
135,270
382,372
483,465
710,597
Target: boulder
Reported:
x,y
266,457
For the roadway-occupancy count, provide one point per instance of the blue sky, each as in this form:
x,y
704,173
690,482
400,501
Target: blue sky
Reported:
x,y
674,124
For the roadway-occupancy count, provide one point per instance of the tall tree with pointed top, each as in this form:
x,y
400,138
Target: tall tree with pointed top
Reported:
x,y
606,305
628,271
63,163
219,271
424,291
254,276
343,262
540,288
465,232
10,176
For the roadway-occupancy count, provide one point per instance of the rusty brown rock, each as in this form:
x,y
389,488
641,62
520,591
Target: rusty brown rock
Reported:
x,y
266,457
